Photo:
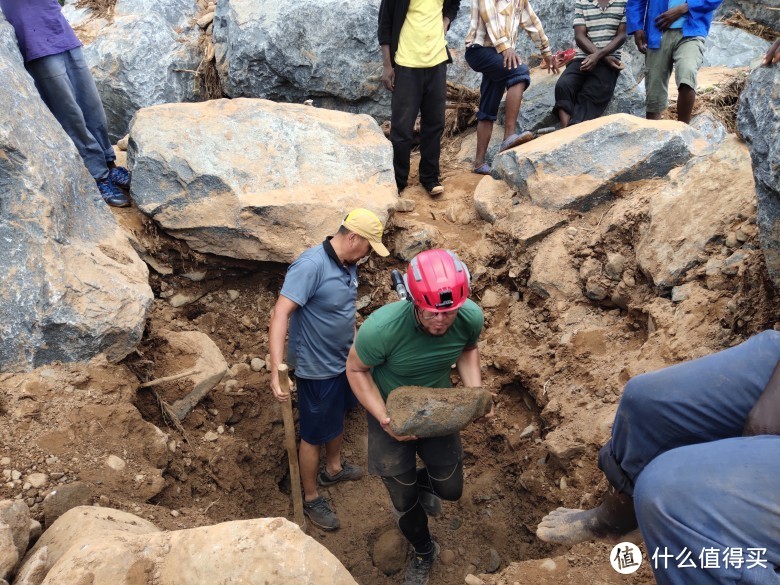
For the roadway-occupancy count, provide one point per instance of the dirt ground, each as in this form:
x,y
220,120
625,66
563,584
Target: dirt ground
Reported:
x,y
557,364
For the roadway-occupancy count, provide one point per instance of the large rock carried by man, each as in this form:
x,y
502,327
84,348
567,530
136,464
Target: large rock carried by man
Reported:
x,y
254,179
72,285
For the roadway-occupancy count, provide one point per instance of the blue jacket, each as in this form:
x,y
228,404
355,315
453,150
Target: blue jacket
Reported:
x,y
641,14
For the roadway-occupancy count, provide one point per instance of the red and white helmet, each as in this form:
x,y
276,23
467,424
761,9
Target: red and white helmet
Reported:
x,y
437,280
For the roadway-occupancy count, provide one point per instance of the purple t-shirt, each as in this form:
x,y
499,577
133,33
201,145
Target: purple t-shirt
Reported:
x,y
41,29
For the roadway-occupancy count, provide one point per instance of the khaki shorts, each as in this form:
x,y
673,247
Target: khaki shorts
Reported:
x,y
684,54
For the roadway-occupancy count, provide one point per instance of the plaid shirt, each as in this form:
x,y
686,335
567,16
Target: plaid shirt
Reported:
x,y
495,23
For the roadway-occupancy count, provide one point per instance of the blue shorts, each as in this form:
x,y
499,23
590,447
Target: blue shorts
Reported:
x,y
321,407
495,78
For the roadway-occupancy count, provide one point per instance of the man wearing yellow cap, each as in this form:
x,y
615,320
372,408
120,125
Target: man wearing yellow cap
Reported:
x,y
318,299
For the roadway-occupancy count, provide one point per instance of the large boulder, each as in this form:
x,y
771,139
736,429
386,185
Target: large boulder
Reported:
x,y
758,120
682,222
72,285
582,165
292,52
767,12
146,55
104,547
727,46
254,179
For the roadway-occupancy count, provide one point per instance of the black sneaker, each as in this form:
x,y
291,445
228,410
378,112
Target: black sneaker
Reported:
x,y
111,194
321,514
418,571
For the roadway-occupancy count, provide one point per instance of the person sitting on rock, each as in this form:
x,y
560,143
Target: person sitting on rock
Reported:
x,y
415,56
318,298
415,344
53,57
693,462
671,34
490,50
586,87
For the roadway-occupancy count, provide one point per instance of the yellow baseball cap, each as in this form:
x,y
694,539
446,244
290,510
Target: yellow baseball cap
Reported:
x,y
367,225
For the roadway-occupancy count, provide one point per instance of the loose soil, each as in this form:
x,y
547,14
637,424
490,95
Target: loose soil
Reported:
x,y
557,365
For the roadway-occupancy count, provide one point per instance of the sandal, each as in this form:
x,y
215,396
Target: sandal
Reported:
x,y
515,140
483,169
564,57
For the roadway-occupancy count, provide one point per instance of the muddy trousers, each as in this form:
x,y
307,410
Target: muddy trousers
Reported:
x,y
68,89
703,494
444,481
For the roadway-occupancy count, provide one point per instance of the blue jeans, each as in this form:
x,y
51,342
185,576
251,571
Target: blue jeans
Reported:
x,y
68,90
697,483
495,78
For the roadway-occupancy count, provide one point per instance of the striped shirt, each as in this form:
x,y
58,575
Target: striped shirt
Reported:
x,y
495,23
601,25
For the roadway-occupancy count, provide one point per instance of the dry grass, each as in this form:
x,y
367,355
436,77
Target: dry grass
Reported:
x,y
207,84
739,20
722,100
101,8
462,107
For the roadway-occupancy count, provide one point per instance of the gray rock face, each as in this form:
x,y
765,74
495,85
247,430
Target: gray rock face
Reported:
x,y
292,52
578,167
72,286
727,46
767,12
146,56
758,120
15,523
255,179
710,127
435,412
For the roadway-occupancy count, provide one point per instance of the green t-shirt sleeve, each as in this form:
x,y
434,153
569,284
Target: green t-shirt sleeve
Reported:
x,y
369,344
476,321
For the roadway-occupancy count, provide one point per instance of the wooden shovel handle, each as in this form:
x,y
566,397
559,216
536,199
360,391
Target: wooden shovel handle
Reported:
x,y
292,447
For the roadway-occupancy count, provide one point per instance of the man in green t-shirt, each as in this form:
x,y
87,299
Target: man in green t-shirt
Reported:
x,y
415,344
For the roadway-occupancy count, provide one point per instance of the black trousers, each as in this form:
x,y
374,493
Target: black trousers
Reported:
x,y
584,95
422,91
446,481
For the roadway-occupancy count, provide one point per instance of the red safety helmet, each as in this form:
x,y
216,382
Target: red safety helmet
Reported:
x,y
437,281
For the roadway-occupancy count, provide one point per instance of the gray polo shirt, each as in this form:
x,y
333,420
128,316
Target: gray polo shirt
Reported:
x,y
322,329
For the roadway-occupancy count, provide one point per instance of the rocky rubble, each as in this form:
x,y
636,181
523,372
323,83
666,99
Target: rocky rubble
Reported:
x,y
230,189
72,285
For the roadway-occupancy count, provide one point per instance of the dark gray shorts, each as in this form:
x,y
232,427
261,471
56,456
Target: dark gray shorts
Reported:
x,y
388,457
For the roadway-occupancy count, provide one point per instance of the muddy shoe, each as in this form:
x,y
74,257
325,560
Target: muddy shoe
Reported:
x,y
321,514
348,473
418,571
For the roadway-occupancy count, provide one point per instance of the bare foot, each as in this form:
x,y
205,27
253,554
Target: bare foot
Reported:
x,y
571,526
614,63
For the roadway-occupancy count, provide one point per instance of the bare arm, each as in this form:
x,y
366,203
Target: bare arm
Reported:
x,y
764,417
277,332
468,367
367,393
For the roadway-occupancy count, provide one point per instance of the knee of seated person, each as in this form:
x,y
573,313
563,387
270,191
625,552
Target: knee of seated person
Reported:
x,y
639,398
668,487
